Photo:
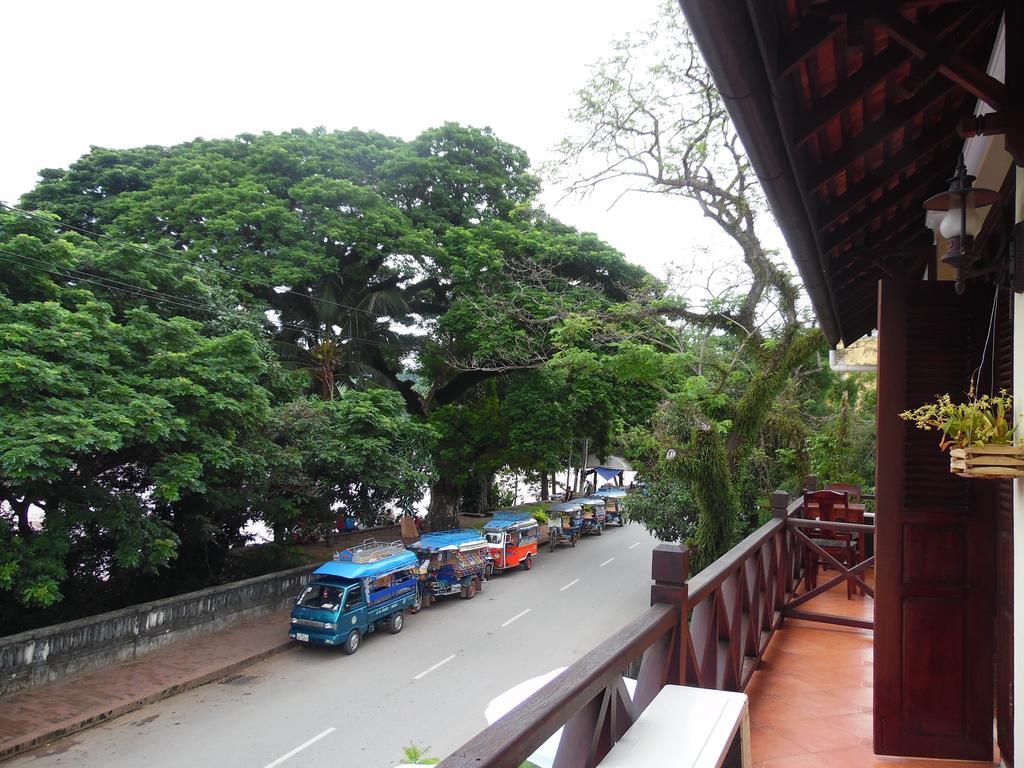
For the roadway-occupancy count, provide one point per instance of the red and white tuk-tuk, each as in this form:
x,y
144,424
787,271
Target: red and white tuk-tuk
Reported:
x,y
512,538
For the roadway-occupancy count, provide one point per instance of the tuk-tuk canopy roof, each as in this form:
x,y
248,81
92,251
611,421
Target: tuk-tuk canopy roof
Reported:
x,y
510,519
592,500
458,538
346,569
566,506
616,492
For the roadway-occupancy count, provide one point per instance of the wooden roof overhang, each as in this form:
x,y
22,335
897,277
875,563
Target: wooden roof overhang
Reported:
x,y
849,112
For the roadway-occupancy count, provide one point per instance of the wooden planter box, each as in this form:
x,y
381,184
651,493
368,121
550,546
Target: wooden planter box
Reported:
x,y
987,461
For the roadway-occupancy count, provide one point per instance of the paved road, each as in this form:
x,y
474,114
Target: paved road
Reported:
x,y
427,686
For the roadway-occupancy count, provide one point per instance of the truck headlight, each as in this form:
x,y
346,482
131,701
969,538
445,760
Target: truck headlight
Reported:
x,y
328,625
294,620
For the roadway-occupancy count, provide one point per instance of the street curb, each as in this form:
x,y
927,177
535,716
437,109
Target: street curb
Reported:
x,y
31,741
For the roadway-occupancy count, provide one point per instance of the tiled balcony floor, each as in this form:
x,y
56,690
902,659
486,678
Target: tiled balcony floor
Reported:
x,y
811,699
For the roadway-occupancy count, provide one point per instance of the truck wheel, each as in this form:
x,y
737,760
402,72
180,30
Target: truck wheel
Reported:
x,y
351,644
527,563
417,603
469,591
395,623
573,540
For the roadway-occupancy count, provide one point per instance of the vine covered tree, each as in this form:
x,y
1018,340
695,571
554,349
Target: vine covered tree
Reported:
x,y
650,120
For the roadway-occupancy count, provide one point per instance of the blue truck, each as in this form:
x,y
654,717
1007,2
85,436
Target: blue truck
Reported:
x,y
363,589
455,562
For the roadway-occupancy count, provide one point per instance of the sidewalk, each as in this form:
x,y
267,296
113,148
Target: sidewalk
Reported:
x,y
39,715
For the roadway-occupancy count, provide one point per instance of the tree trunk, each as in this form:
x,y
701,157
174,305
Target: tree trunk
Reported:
x,y
21,510
444,504
544,485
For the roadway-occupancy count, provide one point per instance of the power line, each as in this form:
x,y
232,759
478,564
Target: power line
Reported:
x,y
178,257
149,293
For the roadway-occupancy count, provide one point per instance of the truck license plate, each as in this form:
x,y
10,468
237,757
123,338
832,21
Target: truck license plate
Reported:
x,y
301,636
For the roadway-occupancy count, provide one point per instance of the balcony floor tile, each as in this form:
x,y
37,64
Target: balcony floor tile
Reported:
x,y
811,697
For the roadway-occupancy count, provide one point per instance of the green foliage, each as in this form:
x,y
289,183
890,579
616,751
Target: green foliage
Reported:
x,y
313,323
666,507
359,454
418,756
842,446
540,517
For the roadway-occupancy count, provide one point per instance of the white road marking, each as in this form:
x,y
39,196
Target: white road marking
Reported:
x,y
426,672
299,749
574,581
606,562
633,545
517,616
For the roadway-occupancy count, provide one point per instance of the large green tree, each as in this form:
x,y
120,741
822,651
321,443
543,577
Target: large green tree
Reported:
x,y
420,266
147,419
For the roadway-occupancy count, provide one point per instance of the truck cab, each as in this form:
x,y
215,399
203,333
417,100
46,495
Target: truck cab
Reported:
x,y
363,589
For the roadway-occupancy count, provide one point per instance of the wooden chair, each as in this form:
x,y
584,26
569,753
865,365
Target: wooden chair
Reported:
x,y
852,491
832,506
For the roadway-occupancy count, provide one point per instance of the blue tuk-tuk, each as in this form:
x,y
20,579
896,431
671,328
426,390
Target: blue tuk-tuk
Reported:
x,y
594,516
454,562
565,523
364,588
613,505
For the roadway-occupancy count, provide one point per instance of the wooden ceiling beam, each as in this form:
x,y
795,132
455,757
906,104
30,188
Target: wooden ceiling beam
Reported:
x,y
812,34
877,132
867,77
918,185
891,169
913,261
951,62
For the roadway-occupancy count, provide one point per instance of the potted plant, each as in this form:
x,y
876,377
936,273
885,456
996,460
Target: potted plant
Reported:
x,y
978,434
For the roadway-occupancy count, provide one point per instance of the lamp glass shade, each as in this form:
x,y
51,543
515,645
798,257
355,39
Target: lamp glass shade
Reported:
x,y
954,221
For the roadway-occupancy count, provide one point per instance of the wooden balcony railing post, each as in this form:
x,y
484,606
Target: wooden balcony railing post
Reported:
x,y
784,574
811,483
670,569
780,504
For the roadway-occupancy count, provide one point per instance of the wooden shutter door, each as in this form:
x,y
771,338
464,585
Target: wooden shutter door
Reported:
x,y
934,609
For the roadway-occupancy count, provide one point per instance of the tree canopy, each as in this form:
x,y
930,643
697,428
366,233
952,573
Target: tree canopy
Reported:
x,y
283,327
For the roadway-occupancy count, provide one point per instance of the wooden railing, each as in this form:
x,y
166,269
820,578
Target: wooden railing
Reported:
x,y
709,631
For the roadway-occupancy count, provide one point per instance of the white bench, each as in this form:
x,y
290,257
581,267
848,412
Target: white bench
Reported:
x,y
685,728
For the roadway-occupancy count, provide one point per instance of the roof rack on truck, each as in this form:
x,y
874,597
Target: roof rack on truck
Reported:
x,y
370,551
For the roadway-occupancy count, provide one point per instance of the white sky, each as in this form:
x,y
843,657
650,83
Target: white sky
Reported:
x,y
128,74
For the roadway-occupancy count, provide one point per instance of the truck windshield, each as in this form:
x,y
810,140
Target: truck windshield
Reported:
x,y
321,596
494,538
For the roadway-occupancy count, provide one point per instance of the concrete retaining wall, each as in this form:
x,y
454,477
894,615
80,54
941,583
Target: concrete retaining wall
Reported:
x,y
41,655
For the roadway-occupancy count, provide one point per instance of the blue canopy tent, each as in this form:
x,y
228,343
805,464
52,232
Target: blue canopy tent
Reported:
x,y
608,470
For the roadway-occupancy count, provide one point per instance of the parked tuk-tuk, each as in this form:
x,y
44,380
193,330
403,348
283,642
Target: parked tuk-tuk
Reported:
x,y
565,523
364,588
594,516
613,504
512,537
453,562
